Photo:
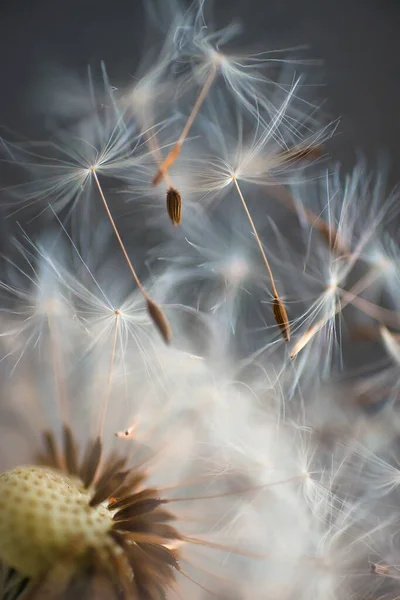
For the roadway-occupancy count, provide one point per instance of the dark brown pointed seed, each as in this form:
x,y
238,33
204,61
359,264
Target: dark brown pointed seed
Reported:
x,y
158,530
146,523
113,465
129,485
174,206
158,515
159,320
166,531
108,488
161,560
281,318
107,482
134,498
127,492
152,564
91,462
118,537
161,516
122,577
161,554
142,507
71,453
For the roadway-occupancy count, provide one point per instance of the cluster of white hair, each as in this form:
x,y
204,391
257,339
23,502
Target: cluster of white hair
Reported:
x,y
188,276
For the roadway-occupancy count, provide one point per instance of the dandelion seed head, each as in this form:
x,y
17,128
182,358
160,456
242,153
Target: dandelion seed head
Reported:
x,y
49,512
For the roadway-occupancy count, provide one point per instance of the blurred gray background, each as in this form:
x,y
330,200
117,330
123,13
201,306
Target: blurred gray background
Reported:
x,y
357,40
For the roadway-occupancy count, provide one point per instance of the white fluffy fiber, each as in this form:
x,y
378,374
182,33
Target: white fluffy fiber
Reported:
x,y
300,448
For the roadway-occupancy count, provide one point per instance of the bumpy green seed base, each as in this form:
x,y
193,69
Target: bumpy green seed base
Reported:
x,y
44,517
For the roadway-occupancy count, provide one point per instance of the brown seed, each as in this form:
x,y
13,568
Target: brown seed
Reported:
x,y
166,164
136,496
159,320
147,505
174,206
281,318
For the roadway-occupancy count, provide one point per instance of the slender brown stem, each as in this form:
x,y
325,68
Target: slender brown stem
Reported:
x,y
155,150
260,246
136,278
196,107
153,310
278,306
174,153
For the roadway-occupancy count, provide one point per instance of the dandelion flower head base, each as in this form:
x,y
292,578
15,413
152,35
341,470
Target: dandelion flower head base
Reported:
x,y
49,512
58,526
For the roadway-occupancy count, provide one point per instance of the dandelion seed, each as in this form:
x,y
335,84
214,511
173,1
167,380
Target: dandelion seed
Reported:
x,y
281,318
174,206
350,297
159,320
154,311
278,306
